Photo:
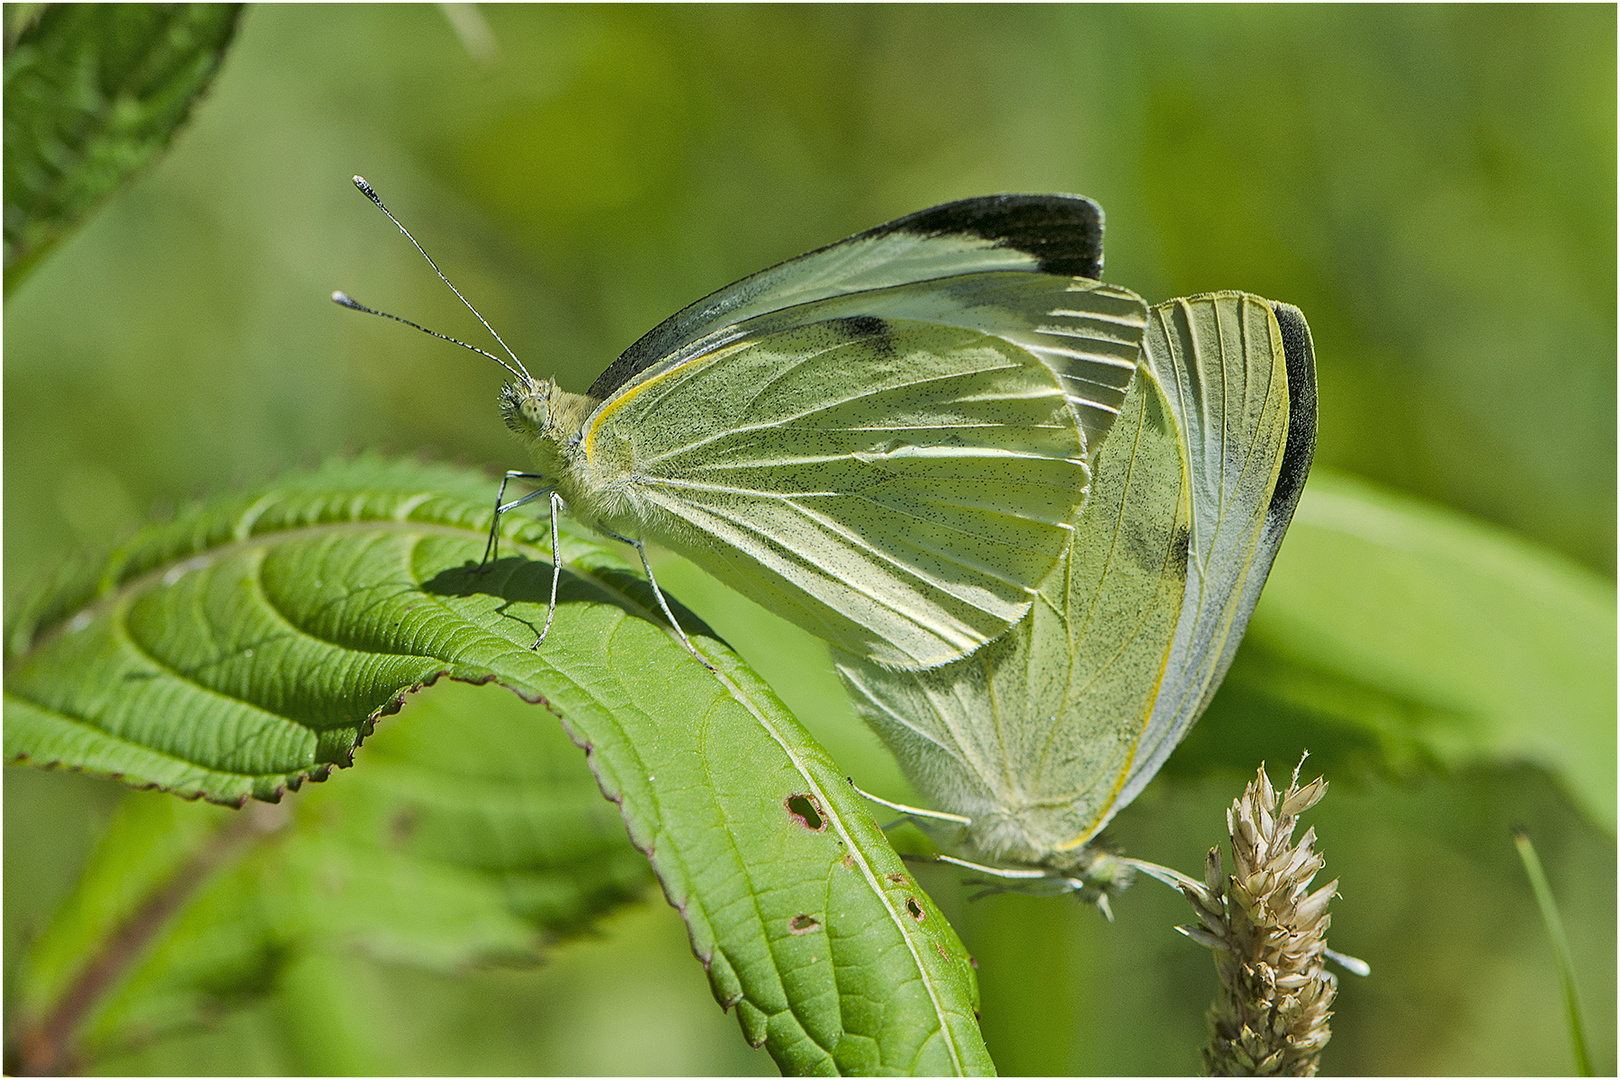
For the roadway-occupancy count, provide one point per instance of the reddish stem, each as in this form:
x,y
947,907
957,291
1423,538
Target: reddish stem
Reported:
x,y
45,1047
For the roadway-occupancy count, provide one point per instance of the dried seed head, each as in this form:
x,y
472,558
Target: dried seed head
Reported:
x,y
1304,798
1267,930
1214,873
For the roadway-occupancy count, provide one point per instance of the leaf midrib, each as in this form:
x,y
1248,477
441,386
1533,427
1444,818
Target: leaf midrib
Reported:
x,y
855,851
203,559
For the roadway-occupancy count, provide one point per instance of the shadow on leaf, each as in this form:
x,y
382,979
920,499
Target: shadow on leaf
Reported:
x,y
517,580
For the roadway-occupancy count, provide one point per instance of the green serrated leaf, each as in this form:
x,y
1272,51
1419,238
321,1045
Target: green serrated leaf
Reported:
x,y
94,92
1413,634
474,831
251,644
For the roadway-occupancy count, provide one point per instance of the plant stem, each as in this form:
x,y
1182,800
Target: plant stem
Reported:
x,y
46,1047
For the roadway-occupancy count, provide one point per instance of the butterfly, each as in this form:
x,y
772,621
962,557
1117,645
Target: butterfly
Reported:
x,y
1029,746
885,441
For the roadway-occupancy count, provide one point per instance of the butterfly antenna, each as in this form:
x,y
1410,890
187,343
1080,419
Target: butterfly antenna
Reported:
x,y
368,192
343,299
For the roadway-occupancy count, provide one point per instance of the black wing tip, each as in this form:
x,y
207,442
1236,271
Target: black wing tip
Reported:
x,y
1299,361
1064,233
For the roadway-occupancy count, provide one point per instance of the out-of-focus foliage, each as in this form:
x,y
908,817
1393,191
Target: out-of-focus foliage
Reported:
x,y
1411,635
1432,186
93,92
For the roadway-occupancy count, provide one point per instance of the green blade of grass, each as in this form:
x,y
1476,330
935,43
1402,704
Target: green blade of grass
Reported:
x,y
1560,944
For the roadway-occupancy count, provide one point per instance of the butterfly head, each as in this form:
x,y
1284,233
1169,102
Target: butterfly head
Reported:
x,y
548,418
526,406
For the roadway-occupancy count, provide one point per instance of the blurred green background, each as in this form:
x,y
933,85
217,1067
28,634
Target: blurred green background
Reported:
x,y
1434,187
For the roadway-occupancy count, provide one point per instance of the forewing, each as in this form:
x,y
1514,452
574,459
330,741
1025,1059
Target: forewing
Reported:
x,y
1033,736
897,488
1051,234
1087,333
1241,380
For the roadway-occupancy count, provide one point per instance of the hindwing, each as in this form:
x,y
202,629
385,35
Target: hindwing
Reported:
x,y
1244,394
1033,736
1040,737
898,488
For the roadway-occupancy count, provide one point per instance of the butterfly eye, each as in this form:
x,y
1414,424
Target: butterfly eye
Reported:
x,y
525,408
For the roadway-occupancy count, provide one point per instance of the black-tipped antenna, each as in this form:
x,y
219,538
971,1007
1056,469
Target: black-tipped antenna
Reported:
x,y
366,190
343,299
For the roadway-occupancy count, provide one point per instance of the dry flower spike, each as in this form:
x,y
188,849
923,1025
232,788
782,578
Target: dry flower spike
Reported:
x,y
1268,931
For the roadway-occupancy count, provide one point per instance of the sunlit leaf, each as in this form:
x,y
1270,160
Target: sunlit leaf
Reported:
x,y
251,644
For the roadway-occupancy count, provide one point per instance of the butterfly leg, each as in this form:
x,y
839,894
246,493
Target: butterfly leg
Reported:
x,y
556,566
492,549
641,549
1008,872
942,828
912,811
1035,882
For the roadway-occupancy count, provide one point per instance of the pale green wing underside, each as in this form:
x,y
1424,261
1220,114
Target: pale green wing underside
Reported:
x,y
1040,766
1033,736
1059,235
1221,360
897,488
1088,333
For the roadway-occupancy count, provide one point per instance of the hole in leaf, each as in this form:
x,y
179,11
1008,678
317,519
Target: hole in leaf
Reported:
x,y
803,924
807,810
915,909
898,879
